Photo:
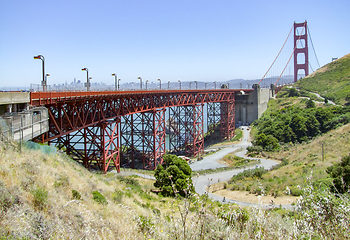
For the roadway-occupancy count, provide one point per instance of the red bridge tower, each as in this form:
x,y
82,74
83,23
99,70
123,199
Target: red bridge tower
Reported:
x,y
301,50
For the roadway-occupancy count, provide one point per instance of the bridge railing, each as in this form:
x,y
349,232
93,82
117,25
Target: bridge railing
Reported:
x,y
24,125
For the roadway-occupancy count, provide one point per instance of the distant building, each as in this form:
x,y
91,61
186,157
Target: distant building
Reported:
x,y
333,59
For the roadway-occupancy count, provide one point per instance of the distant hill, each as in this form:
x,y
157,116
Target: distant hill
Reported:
x,y
332,81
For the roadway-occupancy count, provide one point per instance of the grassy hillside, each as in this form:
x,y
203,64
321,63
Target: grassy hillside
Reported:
x,y
302,164
331,81
51,197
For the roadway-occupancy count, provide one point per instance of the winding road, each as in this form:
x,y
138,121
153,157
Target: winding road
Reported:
x,y
201,182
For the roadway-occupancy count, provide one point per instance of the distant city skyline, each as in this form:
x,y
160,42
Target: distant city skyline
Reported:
x,y
171,40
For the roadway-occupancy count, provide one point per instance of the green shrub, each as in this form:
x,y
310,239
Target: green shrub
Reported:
x,y
294,191
40,198
340,172
76,195
98,197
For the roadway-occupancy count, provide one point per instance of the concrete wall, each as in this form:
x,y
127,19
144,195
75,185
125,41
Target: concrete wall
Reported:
x,y
14,97
249,107
14,102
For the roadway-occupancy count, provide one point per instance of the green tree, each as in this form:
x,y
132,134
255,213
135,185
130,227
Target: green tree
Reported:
x,y
323,115
310,104
268,143
174,176
293,93
313,126
297,124
340,172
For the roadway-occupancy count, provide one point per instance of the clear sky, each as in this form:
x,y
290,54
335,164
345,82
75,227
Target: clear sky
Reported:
x,y
167,39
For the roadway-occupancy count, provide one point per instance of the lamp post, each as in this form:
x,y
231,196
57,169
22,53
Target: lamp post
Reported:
x,y
241,85
146,83
168,85
118,84
190,85
87,84
140,82
46,75
160,84
43,82
115,82
215,84
180,84
196,84
205,85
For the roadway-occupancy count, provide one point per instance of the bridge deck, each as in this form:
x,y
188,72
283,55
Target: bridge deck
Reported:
x,y
42,98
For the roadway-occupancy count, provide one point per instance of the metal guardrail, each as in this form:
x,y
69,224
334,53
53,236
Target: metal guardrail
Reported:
x,y
24,125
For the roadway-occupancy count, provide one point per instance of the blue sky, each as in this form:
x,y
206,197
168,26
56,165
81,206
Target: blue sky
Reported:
x,y
188,40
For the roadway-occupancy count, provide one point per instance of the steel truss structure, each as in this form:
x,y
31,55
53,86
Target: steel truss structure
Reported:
x,y
94,147
214,116
227,125
86,123
143,139
186,130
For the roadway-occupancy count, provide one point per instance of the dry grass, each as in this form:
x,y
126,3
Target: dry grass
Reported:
x,y
36,203
61,216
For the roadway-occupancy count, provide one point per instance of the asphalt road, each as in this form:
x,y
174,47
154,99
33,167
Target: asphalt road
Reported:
x,y
201,182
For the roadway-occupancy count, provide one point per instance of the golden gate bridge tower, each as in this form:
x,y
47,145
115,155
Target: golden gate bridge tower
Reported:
x,y
302,51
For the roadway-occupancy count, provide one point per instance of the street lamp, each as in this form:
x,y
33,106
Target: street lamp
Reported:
x,y
196,84
115,82
118,84
87,84
140,82
160,84
146,83
206,85
46,75
190,85
168,84
43,82
215,84
180,84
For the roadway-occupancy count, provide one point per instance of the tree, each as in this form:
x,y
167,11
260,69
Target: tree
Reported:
x,y
174,176
323,115
293,93
310,104
313,126
268,143
297,124
340,172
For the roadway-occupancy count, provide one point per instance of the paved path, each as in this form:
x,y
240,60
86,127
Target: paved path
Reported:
x,y
203,181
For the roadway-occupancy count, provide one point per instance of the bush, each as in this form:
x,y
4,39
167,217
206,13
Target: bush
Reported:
x,y
40,197
174,176
340,172
294,191
76,195
98,197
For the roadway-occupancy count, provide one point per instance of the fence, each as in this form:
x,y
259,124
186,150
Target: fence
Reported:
x,y
24,125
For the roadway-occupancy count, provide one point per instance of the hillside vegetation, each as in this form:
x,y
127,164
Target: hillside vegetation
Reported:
x,y
51,197
332,81
307,136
